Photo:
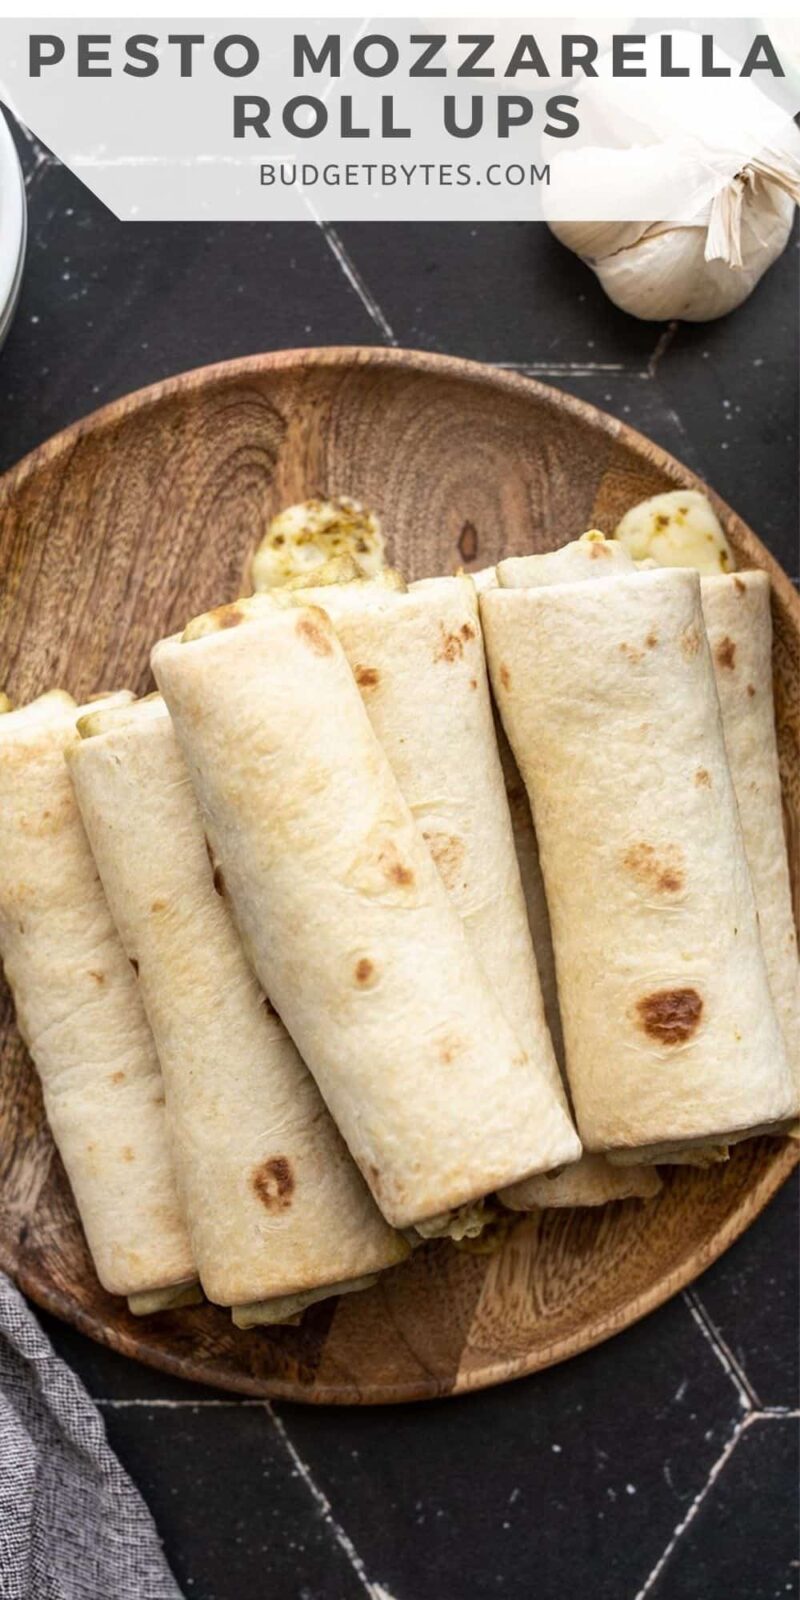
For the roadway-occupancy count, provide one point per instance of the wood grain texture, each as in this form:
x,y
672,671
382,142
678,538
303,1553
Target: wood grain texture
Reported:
x,y
113,534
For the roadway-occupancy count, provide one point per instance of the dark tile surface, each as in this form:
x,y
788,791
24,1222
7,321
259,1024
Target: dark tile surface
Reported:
x,y
236,1515
734,1547
584,1470
495,292
752,1295
646,1467
107,307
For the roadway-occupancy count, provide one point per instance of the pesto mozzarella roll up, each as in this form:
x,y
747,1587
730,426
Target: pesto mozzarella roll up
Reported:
x,y
346,920
592,1181
607,694
736,610
80,1014
278,1214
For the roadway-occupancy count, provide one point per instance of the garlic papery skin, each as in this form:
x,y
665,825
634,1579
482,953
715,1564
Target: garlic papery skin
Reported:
x,y
710,167
697,270
677,529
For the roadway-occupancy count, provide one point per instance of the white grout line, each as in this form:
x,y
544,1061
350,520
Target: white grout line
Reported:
x,y
176,1405
579,368
375,1591
354,278
336,245
41,163
748,1399
697,1502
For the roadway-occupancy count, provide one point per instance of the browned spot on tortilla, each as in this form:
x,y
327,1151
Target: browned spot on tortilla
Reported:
x,y
450,647
367,677
467,630
702,778
363,970
158,1099
273,1182
159,905
314,630
670,1015
394,869
228,616
218,880
631,653
134,963
689,642
399,873
99,977
505,676
598,549
449,1047
652,640
127,1153
468,542
117,1077
751,689
742,587
473,683
725,654
447,850
659,868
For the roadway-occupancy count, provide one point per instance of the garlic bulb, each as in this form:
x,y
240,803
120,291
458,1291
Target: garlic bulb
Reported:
x,y
710,167
694,271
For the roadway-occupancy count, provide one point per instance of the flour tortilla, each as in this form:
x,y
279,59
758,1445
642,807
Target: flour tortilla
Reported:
x,y
347,922
589,557
736,610
274,1204
80,1014
606,691
591,1181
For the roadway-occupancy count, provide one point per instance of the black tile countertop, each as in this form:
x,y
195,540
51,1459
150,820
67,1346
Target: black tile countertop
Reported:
x,y
663,1463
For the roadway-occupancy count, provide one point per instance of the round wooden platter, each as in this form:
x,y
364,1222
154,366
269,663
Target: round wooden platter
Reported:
x,y
118,530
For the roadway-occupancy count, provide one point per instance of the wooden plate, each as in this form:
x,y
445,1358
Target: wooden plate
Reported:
x,y
116,531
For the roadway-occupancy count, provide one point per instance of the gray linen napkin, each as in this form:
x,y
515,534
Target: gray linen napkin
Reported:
x,y
72,1525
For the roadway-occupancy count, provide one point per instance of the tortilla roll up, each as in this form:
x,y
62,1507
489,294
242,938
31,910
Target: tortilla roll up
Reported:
x,y
738,619
607,694
346,920
80,1015
592,1180
275,1207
